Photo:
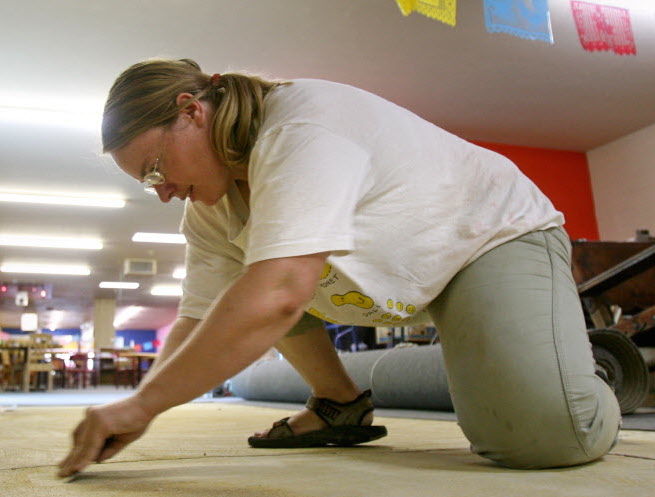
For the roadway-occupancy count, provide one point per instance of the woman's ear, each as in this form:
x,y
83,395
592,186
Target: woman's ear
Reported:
x,y
183,98
193,110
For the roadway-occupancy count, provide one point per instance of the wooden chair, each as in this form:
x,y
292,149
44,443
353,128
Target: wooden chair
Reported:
x,y
79,373
6,370
39,361
58,372
125,372
11,368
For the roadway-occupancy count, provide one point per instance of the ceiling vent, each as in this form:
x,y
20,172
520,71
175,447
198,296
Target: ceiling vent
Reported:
x,y
140,267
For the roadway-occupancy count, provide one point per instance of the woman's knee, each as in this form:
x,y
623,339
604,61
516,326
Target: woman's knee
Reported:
x,y
551,436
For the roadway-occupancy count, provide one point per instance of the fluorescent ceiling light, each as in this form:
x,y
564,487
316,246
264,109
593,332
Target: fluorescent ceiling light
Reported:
x,y
126,314
50,242
71,269
62,112
166,290
179,273
54,118
89,200
159,238
55,103
29,321
127,285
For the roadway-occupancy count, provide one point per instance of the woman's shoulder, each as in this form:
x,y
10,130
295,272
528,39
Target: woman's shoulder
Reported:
x,y
307,101
299,95
309,89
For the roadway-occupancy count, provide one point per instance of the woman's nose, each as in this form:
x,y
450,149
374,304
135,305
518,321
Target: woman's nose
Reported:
x,y
165,191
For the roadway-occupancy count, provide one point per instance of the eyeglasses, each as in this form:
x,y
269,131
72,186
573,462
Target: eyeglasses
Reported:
x,y
153,178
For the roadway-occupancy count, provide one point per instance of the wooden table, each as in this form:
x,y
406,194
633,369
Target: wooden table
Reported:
x,y
137,357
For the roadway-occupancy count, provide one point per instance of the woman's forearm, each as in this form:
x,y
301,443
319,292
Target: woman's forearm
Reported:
x,y
180,331
250,318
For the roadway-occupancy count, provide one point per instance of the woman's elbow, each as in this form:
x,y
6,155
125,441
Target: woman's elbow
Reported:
x,y
292,303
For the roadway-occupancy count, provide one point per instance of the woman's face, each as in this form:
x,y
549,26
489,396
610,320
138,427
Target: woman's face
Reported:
x,y
184,156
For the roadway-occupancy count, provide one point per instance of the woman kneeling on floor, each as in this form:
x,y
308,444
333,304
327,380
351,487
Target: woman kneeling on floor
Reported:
x,y
308,200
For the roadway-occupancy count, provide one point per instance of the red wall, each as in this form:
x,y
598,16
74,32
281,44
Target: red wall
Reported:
x,y
564,177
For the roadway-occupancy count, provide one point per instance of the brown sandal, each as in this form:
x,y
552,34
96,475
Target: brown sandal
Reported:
x,y
344,426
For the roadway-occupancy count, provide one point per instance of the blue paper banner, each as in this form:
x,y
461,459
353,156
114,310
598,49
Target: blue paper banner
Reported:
x,y
523,18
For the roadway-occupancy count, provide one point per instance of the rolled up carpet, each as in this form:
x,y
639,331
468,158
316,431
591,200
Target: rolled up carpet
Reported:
x,y
403,377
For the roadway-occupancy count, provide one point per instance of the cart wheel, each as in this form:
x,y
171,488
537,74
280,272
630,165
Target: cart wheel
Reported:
x,y
626,369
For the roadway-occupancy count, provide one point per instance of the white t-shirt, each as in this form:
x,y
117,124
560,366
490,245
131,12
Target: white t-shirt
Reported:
x,y
401,204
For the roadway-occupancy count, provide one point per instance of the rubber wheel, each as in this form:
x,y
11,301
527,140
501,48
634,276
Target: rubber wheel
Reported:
x,y
625,367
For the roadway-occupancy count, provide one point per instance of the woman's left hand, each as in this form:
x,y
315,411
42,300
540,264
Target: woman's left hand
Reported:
x,y
105,431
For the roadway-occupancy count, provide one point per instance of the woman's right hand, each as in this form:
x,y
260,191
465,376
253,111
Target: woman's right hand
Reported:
x,y
105,431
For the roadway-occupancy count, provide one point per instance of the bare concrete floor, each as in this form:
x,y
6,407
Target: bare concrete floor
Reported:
x,y
200,450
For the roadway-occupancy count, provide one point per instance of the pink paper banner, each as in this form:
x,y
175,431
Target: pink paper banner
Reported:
x,y
602,27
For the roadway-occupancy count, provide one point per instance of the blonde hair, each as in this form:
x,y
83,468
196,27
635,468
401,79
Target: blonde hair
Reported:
x,y
144,97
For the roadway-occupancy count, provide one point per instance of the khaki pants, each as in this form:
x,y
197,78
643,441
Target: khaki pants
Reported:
x,y
520,368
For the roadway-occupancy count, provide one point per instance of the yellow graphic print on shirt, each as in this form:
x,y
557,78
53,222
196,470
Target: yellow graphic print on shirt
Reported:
x,y
393,319
409,309
353,298
326,270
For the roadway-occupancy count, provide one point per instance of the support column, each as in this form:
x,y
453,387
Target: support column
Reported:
x,y
103,323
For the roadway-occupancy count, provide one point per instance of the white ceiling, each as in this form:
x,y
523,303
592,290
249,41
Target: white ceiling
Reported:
x,y
482,86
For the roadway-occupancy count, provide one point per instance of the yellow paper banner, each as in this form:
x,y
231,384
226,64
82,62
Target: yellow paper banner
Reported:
x,y
441,10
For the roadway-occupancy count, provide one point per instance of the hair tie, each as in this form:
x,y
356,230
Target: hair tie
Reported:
x,y
214,80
